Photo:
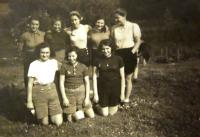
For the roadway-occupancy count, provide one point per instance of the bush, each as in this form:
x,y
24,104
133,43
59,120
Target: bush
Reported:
x,y
88,8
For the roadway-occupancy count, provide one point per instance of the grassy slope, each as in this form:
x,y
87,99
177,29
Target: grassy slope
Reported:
x,y
165,102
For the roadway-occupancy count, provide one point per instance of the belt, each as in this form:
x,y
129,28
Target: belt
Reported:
x,y
44,85
72,86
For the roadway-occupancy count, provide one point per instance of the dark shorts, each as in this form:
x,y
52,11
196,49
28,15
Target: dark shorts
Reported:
x,y
76,99
46,102
130,59
109,92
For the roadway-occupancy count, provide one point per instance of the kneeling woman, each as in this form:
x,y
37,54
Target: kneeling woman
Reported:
x,y
109,87
75,87
42,96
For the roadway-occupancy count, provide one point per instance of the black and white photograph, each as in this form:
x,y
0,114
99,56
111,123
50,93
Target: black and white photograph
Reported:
x,y
99,68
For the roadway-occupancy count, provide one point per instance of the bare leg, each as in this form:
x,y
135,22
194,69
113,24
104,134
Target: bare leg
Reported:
x,y
104,111
129,86
113,110
57,119
69,118
144,62
135,76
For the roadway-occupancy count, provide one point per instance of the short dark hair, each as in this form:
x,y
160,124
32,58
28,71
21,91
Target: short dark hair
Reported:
x,y
76,13
35,17
107,42
72,49
42,46
100,17
121,12
57,18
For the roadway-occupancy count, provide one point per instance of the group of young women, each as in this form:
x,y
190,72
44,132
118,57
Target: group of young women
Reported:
x,y
111,53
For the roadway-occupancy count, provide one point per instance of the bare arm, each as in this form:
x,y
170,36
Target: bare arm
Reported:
x,y
29,93
87,91
94,76
136,37
62,90
87,87
122,75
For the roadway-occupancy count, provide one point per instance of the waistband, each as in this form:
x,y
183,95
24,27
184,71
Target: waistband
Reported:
x,y
44,85
118,49
73,86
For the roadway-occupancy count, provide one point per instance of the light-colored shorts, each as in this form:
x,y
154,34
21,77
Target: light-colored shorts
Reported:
x,y
45,100
76,99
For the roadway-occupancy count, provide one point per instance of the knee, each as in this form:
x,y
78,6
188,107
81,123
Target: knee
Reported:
x,y
45,121
57,119
90,113
105,112
58,122
78,115
128,79
113,110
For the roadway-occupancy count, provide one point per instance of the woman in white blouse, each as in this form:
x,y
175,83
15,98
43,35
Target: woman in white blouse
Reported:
x,y
126,36
78,36
42,97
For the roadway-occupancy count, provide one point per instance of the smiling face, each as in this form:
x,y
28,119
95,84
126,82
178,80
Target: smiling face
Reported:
x,y
72,57
75,21
100,23
106,50
57,26
45,53
35,25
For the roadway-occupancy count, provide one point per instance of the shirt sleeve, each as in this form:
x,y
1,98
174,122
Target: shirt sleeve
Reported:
x,y
136,30
56,64
95,63
32,70
62,69
88,28
85,71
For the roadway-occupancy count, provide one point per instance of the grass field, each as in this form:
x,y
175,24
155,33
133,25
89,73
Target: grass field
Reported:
x,y
165,103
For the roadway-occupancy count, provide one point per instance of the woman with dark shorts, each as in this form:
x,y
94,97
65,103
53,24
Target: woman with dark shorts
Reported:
x,y
126,36
109,87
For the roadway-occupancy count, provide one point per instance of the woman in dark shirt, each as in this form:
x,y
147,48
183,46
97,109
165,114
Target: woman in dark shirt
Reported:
x,y
58,39
75,87
109,87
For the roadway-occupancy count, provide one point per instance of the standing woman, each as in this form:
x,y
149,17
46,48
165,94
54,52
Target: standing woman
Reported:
x,y
42,96
109,87
98,33
126,36
58,39
28,42
78,34
75,88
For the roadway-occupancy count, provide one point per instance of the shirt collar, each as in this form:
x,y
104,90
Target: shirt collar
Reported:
x,y
38,32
